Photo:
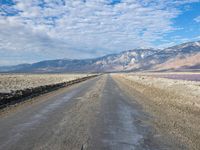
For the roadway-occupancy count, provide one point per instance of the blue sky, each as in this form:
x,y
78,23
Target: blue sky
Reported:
x,y
35,30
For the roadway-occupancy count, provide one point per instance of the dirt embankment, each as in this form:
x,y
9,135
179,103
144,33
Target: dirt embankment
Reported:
x,y
13,97
73,132
175,106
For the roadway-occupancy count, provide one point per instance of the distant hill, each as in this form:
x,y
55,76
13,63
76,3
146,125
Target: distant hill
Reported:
x,y
183,56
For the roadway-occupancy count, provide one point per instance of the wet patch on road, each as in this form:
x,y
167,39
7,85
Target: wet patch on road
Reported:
x,y
121,125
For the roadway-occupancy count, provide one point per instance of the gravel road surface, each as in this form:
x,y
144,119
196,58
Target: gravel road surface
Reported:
x,y
93,115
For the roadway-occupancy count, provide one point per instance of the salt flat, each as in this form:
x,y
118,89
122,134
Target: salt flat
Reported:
x,y
13,82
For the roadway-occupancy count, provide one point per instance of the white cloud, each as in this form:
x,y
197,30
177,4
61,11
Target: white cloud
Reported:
x,y
65,28
197,19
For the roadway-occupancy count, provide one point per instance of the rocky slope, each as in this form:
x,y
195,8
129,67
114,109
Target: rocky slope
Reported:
x,y
184,56
181,62
177,57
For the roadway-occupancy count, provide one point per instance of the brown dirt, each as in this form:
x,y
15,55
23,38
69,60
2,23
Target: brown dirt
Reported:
x,y
175,106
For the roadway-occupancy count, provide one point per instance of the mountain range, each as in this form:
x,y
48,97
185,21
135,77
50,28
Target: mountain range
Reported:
x,y
185,56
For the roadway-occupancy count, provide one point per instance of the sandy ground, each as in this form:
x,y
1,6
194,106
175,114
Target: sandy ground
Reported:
x,y
13,82
174,104
77,121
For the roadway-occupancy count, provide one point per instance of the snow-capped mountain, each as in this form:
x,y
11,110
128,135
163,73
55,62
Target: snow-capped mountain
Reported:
x,y
185,55
125,61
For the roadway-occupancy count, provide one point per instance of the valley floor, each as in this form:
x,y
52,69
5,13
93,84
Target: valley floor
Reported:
x,y
108,112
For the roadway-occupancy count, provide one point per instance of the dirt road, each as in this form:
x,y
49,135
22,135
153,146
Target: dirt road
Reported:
x,y
93,115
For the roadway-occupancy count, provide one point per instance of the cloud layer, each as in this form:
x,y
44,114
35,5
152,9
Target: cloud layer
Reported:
x,y
48,29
